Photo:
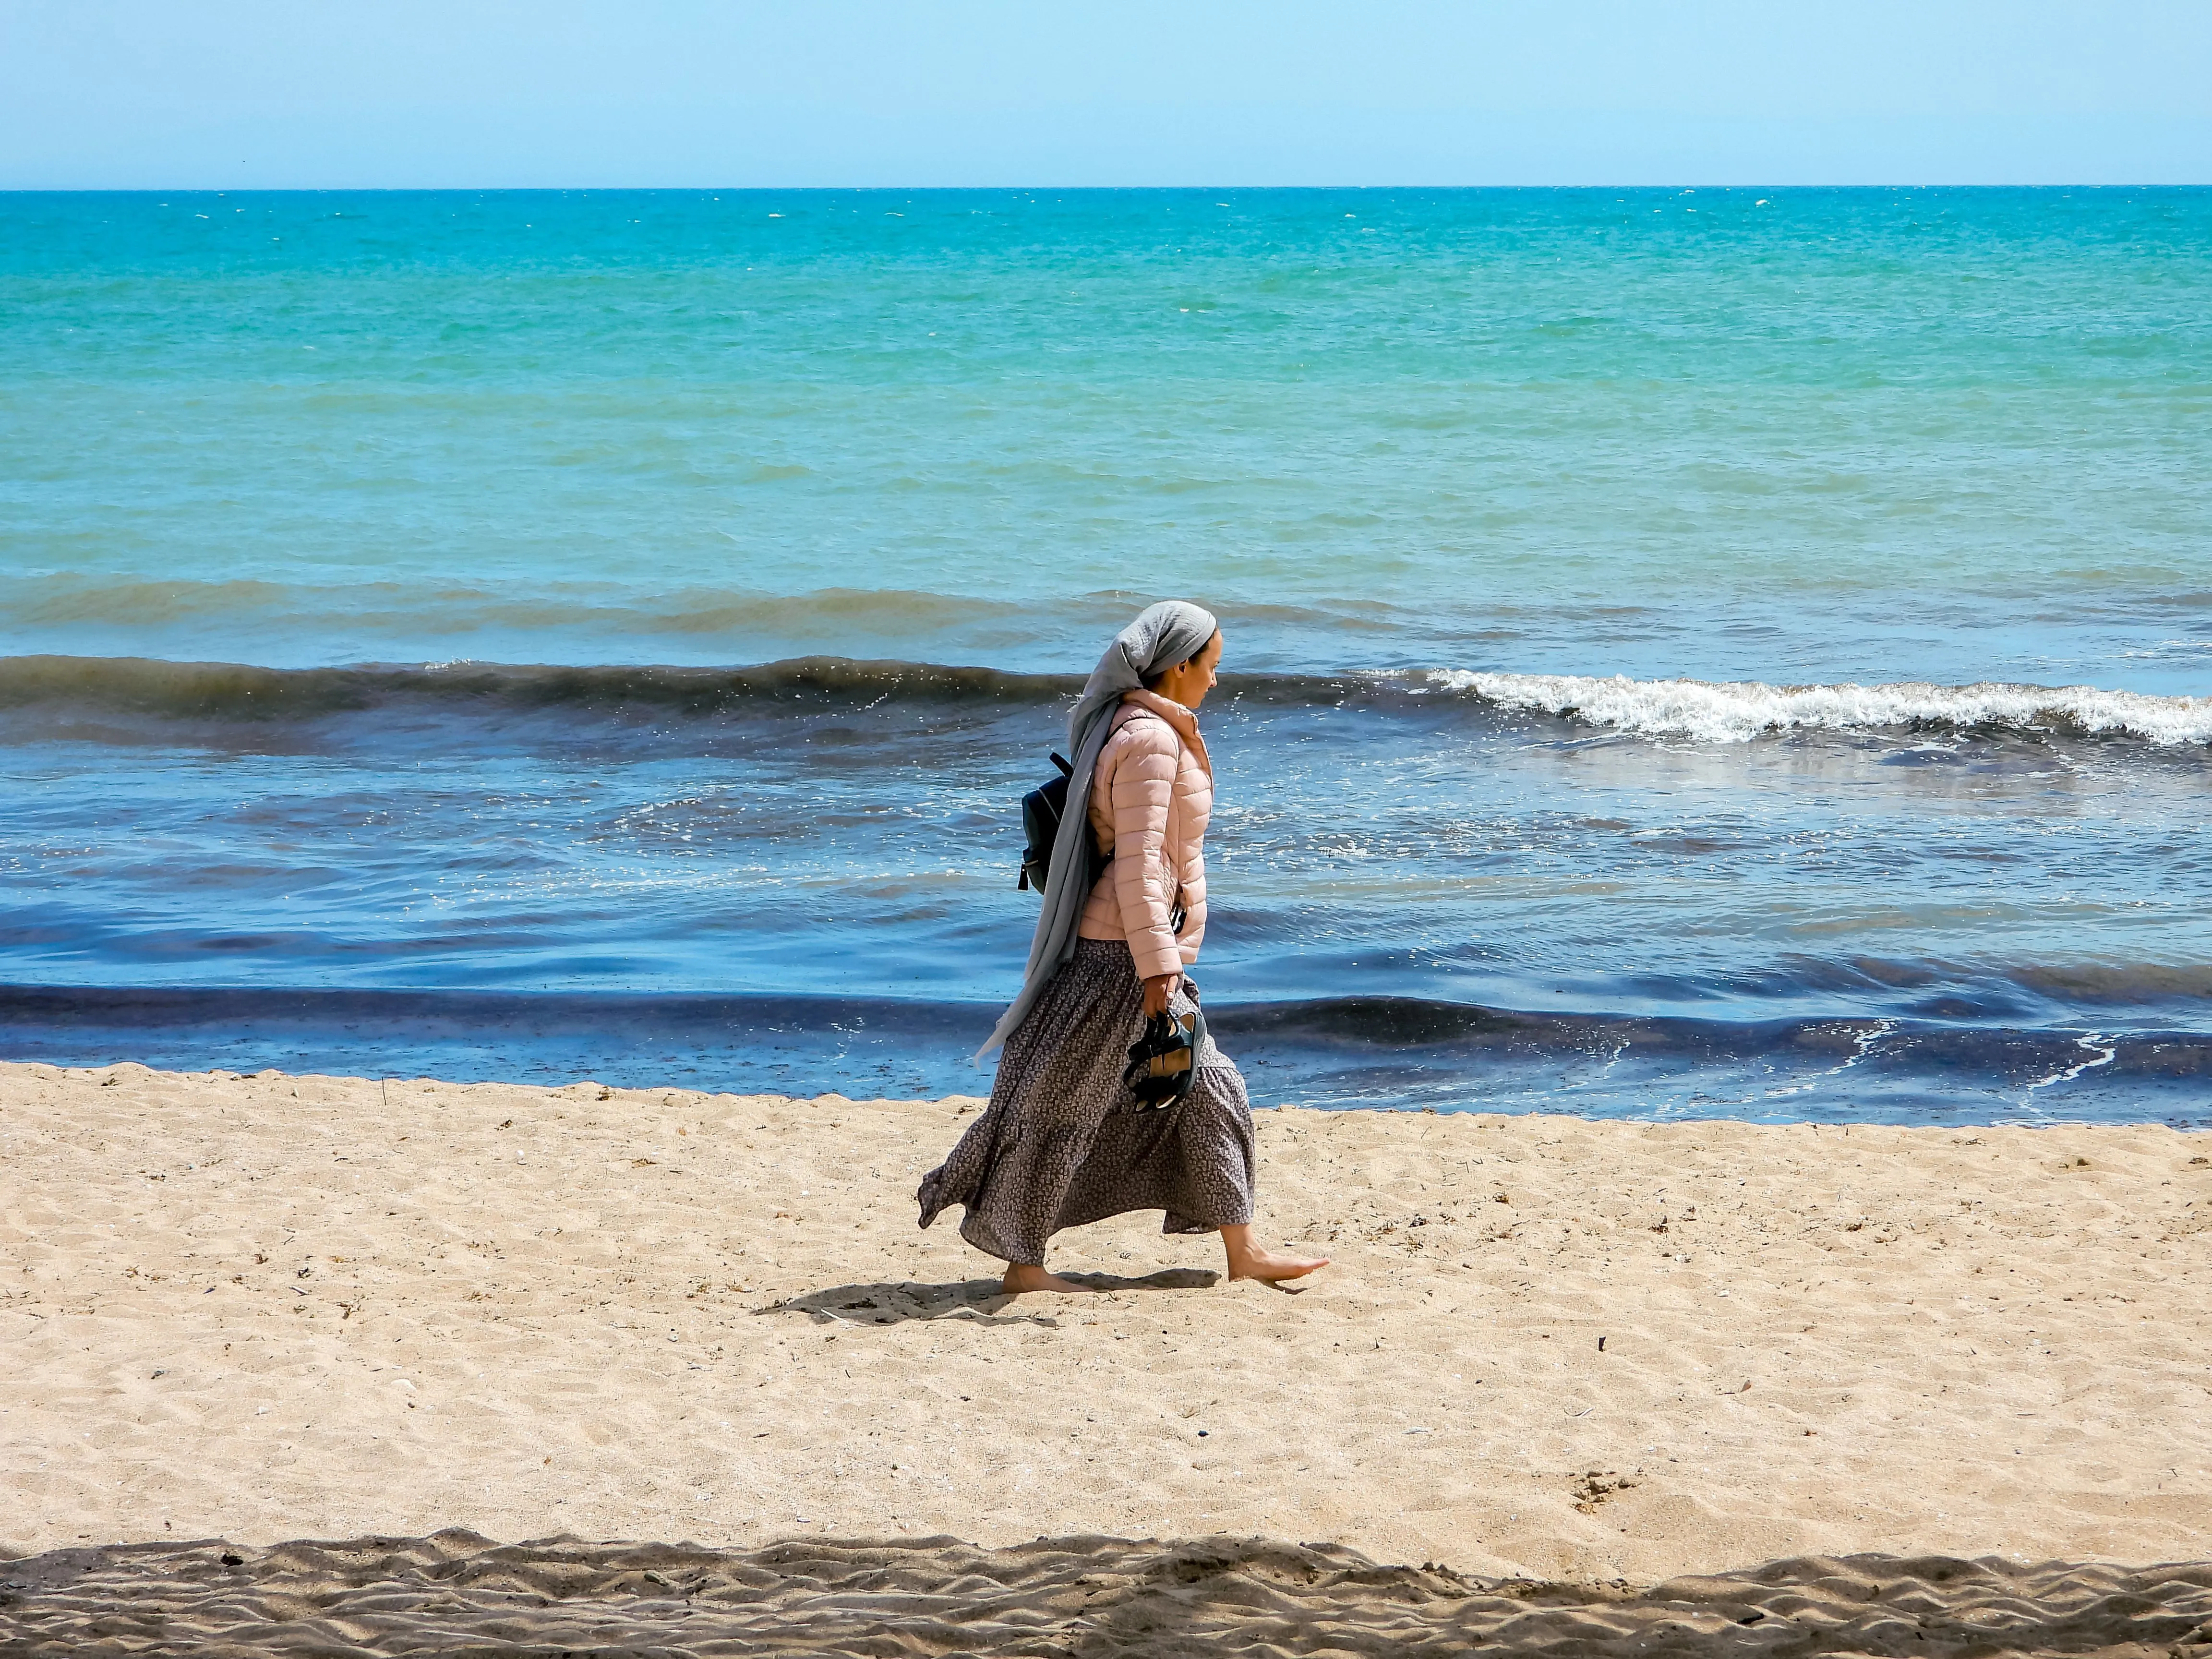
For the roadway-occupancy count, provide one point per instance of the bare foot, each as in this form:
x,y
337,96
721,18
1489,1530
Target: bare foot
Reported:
x,y
1251,1259
1271,1265
1033,1277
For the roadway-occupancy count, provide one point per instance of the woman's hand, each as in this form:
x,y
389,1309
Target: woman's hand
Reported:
x,y
1157,989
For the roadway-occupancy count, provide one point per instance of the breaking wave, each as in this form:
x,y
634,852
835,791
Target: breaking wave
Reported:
x,y
1729,713
1737,711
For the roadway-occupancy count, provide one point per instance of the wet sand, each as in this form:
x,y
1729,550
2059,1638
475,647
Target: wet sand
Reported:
x,y
272,1308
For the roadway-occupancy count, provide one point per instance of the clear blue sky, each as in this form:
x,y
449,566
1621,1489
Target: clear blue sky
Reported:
x,y
237,93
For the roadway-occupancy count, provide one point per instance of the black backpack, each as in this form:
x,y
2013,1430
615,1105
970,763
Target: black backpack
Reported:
x,y
1042,808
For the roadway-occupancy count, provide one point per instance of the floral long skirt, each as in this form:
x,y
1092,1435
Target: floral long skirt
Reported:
x,y
1064,1142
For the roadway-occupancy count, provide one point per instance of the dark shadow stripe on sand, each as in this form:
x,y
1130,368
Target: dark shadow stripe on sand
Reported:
x,y
456,1592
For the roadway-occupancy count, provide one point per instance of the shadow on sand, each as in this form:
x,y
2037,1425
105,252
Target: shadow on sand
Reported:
x,y
1085,1596
970,1298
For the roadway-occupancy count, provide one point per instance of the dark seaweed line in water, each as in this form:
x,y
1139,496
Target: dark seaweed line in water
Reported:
x,y
456,1591
217,690
153,689
1399,1030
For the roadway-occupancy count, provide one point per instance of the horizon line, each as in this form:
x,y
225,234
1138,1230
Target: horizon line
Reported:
x,y
1673,184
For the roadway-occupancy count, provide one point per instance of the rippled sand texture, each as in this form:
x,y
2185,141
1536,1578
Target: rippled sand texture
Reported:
x,y
267,1308
1066,1596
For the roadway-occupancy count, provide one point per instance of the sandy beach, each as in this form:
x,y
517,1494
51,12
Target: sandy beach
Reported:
x,y
269,1308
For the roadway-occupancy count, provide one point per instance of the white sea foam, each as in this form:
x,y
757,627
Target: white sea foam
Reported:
x,y
1736,711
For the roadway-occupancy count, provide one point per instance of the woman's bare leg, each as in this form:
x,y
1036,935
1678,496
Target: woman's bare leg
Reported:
x,y
1249,1260
1032,1276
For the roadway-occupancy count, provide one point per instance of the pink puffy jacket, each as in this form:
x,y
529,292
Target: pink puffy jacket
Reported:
x,y
1150,801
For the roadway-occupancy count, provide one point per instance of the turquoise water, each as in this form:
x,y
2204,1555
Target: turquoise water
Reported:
x,y
1446,464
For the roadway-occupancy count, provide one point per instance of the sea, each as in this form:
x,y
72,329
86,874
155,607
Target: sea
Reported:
x,y
1714,653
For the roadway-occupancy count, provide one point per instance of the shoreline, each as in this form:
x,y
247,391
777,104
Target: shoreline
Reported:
x,y
1378,1053
270,1307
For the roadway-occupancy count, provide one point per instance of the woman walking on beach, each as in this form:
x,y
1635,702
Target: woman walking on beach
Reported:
x,y
1065,1140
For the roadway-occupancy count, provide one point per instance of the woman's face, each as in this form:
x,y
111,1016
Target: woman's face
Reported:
x,y
1187,683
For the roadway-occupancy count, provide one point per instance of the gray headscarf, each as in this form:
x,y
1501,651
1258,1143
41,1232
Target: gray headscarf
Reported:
x,y
1170,633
